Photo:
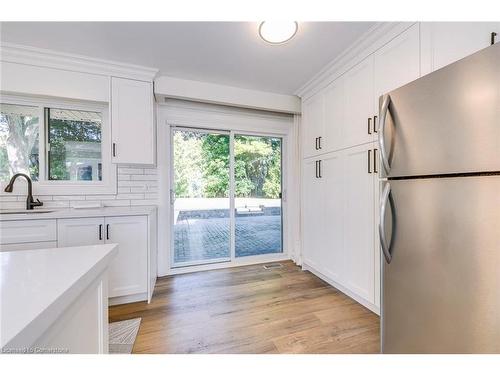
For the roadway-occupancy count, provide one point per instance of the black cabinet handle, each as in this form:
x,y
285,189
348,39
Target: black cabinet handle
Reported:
x,y
316,166
375,161
369,125
375,124
100,232
316,143
369,161
319,169
114,149
493,35
319,143
107,231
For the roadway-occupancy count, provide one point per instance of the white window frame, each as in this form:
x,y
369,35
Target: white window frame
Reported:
x,y
51,187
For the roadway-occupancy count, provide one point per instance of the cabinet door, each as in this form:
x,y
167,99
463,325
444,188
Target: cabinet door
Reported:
x,y
446,42
359,104
312,124
128,273
359,221
334,116
312,215
132,121
396,63
332,257
80,232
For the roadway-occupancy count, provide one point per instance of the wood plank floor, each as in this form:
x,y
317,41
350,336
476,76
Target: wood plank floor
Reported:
x,y
250,310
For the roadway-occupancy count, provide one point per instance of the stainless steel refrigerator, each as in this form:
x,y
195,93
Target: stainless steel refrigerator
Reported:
x,y
439,230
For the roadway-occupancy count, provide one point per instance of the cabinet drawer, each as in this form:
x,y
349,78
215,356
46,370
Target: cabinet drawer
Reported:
x,y
28,246
27,231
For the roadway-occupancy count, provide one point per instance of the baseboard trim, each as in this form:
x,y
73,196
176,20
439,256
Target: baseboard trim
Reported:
x,y
343,289
139,297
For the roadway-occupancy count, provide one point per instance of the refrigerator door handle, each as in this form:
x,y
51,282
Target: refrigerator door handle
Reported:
x,y
386,246
384,108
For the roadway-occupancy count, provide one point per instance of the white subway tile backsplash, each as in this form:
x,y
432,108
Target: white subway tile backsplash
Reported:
x,y
69,197
124,170
136,186
130,196
146,177
143,202
8,198
12,205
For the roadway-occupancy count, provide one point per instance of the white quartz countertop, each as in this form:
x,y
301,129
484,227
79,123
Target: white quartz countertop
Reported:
x,y
42,213
36,286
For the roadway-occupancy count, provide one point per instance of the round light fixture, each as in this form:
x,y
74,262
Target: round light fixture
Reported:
x,y
278,32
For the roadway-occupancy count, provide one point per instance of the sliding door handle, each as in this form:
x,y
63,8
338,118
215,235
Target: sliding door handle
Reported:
x,y
385,199
384,108
375,161
375,130
369,125
369,161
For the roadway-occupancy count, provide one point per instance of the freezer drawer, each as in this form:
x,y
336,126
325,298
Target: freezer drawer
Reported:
x,y
446,122
441,290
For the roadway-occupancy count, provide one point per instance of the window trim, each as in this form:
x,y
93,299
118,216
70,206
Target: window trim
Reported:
x,y
43,186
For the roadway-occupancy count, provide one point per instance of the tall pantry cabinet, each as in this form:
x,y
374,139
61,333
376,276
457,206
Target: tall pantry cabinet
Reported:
x,y
340,187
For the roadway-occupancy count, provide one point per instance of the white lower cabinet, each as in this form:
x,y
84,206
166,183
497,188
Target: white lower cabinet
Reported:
x,y
128,272
80,232
339,217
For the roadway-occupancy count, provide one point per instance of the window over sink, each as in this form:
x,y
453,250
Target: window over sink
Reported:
x,y
64,146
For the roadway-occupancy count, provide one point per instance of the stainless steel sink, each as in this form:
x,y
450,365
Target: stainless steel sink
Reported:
x,y
24,212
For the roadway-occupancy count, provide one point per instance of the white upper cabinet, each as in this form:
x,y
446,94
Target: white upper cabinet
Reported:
x,y
313,125
132,121
397,63
446,42
334,112
359,104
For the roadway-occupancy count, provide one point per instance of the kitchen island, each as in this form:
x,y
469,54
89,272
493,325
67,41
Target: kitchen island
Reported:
x,y
55,300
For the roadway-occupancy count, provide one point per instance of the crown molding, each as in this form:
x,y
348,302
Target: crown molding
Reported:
x,y
377,36
21,54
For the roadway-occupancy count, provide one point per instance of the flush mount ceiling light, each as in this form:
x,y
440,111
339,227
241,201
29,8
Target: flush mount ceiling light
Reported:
x,y
278,32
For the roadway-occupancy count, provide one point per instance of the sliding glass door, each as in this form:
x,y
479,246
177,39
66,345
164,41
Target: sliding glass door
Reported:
x,y
225,196
258,221
200,197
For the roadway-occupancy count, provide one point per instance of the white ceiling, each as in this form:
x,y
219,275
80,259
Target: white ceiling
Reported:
x,y
229,53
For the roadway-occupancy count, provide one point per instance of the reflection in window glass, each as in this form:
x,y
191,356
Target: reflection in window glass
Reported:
x,y
75,145
19,141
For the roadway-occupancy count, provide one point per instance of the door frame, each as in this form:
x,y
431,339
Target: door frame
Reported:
x,y
232,260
